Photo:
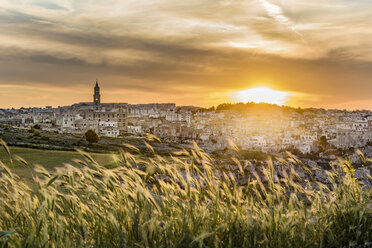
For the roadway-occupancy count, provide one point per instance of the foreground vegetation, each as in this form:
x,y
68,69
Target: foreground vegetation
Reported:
x,y
155,202
49,159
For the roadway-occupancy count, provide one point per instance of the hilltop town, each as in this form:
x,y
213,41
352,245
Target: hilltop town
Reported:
x,y
262,127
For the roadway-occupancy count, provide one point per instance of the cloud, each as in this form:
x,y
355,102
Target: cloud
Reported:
x,y
191,51
275,11
50,5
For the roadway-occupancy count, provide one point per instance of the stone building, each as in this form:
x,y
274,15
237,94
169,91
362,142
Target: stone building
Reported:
x,y
97,97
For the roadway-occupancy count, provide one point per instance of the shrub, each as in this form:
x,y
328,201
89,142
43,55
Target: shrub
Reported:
x,y
91,136
32,130
36,133
323,143
37,126
45,138
252,154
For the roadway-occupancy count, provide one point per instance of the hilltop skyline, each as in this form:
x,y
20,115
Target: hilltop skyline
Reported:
x,y
236,105
237,100
205,53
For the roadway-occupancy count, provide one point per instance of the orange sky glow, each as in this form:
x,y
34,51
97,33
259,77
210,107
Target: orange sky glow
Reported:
x,y
203,53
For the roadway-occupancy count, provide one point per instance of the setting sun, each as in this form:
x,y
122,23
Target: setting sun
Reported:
x,y
262,94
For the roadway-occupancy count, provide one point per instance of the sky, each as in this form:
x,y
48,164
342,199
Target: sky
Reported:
x,y
195,52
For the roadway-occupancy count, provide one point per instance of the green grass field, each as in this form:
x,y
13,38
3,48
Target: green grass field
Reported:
x,y
47,158
50,158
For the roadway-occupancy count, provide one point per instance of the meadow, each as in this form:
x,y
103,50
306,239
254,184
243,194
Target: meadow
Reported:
x,y
49,159
178,201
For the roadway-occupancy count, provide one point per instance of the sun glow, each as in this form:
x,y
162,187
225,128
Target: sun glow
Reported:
x,y
262,94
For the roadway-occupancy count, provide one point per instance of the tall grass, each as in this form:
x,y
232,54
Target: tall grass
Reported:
x,y
181,202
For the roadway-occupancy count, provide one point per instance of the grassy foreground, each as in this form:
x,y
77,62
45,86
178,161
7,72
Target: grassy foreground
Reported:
x,y
49,159
155,202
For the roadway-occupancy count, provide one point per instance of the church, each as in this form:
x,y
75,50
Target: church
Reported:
x,y
96,97
113,119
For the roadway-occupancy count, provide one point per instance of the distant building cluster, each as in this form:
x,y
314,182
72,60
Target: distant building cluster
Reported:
x,y
272,131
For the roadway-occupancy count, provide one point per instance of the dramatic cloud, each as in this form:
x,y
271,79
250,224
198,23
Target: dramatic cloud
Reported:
x,y
188,52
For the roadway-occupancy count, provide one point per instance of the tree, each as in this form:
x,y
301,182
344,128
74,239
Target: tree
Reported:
x,y
323,142
37,126
91,136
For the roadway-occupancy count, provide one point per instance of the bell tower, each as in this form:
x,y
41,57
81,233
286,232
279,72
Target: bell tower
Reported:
x,y
96,96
